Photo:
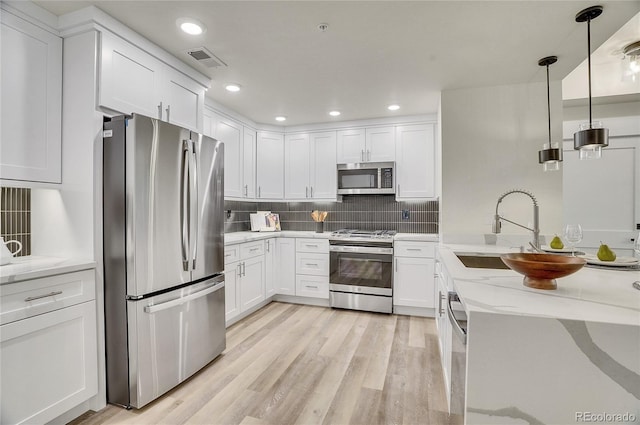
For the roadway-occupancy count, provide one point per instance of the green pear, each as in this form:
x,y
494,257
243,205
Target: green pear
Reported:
x,y
605,253
556,243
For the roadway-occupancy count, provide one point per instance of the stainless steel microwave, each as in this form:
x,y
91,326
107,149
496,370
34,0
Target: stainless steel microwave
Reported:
x,y
367,178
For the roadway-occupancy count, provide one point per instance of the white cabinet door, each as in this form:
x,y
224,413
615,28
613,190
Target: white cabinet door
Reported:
x,y
270,267
130,79
413,282
208,123
296,162
270,165
286,282
415,161
49,364
231,134
249,163
604,195
31,102
323,172
232,290
351,146
183,100
381,144
252,288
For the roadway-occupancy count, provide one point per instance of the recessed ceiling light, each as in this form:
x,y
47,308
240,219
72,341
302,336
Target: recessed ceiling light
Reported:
x,y
281,118
233,87
393,107
334,113
191,26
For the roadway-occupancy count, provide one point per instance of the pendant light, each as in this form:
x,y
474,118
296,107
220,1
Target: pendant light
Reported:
x,y
550,157
591,139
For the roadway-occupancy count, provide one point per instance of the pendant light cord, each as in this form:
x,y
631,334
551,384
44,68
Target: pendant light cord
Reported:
x,y
548,106
589,59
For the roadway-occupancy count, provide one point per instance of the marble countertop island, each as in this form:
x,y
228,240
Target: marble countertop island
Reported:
x,y
564,356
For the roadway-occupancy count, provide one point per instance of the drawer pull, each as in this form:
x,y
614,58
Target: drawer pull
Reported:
x,y
254,249
311,286
313,245
37,297
227,255
312,264
414,249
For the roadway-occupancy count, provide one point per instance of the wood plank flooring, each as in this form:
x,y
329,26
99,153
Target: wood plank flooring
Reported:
x,y
295,364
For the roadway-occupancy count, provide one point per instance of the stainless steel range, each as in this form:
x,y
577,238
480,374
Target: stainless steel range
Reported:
x,y
361,271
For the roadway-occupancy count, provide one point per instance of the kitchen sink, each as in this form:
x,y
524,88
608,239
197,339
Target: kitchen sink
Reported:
x,y
481,260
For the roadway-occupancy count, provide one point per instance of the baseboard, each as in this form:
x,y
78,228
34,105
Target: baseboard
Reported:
x,y
320,302
414,311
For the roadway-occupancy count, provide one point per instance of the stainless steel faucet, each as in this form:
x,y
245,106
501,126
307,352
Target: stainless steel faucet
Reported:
x,y
536,222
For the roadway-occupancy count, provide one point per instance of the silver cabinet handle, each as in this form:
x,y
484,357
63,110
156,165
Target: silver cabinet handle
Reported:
x,y
414,249
440,299
311,264
313,245
37,297
244,268
168,112
254,249
306,192
268,246
312,191
396,264
227,255
239,269
160,111
259,187
398,191
362,154
246,190
311,286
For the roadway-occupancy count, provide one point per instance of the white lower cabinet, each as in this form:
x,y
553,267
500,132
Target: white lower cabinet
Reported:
x,y
286,263
244,277
270,267
413,274
49,356
312,268
444,326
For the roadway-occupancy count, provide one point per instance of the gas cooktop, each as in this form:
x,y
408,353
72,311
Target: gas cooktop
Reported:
x,y
363,234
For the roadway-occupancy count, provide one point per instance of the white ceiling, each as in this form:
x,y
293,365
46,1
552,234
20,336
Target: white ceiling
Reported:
x,y
373,53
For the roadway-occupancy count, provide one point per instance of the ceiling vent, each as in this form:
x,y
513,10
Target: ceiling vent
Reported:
x,y
205,57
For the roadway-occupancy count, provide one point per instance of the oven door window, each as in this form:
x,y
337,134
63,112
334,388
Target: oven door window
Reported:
x,y
358,179
361,269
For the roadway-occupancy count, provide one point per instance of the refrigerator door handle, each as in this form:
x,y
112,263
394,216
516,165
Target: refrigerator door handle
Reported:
x,y
179,301
193,199
184,206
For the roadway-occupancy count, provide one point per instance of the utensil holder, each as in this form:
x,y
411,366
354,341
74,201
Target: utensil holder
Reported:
x,y
319,227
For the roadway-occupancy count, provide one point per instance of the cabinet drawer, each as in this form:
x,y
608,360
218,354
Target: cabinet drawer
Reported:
x,y
414,249
37,296
312,286
312,245
251,249
312,264
231,253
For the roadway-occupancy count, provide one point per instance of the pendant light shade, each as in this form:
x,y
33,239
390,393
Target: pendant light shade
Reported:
x,y
550,156
591,139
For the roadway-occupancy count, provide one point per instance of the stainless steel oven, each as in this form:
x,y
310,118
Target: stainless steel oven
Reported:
x,y
361,271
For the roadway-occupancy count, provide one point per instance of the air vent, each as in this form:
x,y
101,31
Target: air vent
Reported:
x,y
205,57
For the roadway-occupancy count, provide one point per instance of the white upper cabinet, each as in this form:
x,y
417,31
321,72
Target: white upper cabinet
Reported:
x,y
270,165
133,81
296,163
310,166
239,154
31,102
323,165
375,144
415,161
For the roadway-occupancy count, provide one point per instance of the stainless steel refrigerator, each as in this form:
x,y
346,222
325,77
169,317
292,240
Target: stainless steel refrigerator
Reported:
x,y
163,193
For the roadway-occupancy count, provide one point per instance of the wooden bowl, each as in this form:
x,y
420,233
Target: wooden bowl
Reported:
x,y
541,270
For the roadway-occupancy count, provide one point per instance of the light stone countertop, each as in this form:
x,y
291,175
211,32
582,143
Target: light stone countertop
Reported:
x,y
34,267
240,237
590,294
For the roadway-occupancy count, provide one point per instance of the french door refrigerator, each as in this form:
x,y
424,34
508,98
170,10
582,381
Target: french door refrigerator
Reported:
x,y
163,192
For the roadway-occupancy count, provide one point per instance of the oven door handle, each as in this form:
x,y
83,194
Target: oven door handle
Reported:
x,y
462,334
360,249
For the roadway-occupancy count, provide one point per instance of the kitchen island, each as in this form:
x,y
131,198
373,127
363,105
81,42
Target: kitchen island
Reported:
x,y
571,355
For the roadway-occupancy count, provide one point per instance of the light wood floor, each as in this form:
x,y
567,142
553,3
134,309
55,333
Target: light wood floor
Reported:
x,y
294,364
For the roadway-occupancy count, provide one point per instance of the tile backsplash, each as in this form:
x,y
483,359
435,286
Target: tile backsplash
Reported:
x,y
367,212
15,218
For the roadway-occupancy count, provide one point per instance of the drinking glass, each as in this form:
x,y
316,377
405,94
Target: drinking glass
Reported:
x,y
573,235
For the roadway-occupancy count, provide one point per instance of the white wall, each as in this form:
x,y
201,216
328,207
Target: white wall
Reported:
x,y
490,142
